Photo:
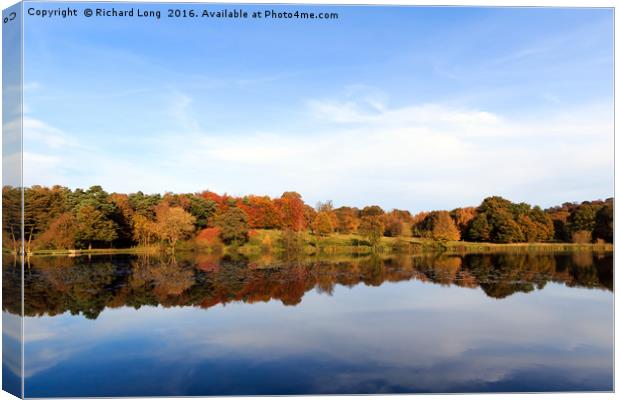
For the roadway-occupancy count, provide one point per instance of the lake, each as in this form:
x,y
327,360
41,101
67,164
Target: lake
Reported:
x,y
207,325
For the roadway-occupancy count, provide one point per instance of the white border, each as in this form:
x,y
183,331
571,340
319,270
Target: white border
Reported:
x,y
516,3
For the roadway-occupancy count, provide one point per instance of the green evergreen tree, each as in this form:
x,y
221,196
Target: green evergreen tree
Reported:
x,y
233,226
92,227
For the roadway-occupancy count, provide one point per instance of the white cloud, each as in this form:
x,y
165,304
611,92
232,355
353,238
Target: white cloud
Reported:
x,y
181,112
411,155
374,112
40,132
354,151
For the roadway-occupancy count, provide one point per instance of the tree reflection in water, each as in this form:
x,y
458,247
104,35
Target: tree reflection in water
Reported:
x,y
88,285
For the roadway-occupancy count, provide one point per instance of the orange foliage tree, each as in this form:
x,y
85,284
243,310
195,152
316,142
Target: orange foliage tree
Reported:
x,y
323,224
262,212
292,211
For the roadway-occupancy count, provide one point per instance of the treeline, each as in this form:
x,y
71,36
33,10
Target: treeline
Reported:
x,y
61,218
84,285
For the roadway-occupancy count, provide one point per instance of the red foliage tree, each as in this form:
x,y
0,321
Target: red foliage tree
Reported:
x,y
292,210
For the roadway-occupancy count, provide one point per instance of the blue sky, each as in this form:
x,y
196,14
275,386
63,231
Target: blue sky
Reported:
x,y
405,107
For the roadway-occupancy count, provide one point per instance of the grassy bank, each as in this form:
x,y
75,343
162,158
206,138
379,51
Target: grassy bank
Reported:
x,y
270,241
472,247
352,243
80,252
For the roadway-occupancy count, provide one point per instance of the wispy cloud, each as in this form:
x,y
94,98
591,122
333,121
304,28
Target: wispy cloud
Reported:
x,y
53,138
181,112
355,149
378,113
415,154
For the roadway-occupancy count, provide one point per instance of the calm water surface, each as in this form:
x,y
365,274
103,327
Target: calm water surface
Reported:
x,y
201,325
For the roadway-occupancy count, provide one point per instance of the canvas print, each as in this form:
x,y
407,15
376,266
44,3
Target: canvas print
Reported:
x,y
205,199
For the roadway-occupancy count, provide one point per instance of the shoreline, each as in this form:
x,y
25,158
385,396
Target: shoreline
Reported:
x,y
392,246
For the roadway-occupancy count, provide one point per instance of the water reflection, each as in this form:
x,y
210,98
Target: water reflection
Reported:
x,y
88,285
206,325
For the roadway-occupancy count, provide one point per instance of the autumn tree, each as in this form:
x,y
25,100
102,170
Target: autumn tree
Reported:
x,y
398,223
372,227
528,228
61,233
219,200
309,214
41,206
444,227
233,226
173,224
323,223
537,226
559,217
327,208
292,210
417,229
463,217
262,212
11,218
348,219
144,230
505,228
439,225
177,200
372,211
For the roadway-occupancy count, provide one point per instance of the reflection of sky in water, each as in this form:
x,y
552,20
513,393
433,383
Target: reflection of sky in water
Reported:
x,y
11,353
399,337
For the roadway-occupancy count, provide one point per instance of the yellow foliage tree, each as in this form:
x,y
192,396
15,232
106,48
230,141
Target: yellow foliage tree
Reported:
x,y
173,224
323,223
444,227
